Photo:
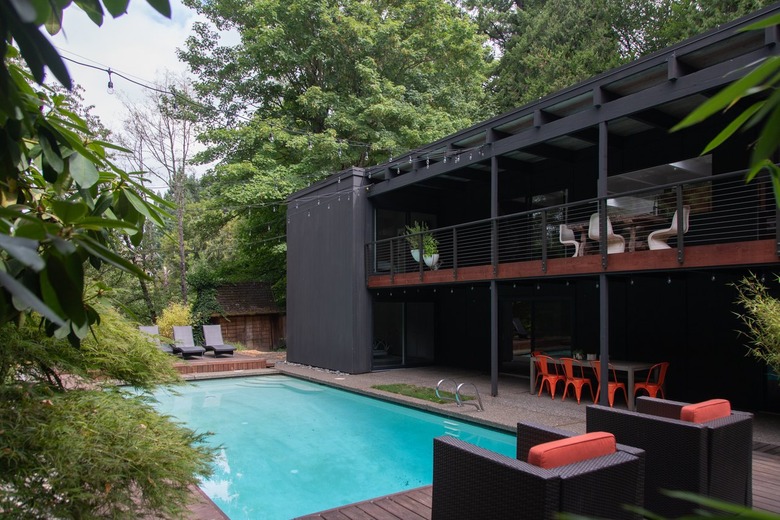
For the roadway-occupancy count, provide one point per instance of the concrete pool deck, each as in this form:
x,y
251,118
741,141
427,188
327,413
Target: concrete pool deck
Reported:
x,y
513,404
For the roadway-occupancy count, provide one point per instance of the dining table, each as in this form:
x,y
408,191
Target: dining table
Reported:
x,y
629,367
634,223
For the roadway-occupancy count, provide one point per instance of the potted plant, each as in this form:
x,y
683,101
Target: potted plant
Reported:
x,y
429,243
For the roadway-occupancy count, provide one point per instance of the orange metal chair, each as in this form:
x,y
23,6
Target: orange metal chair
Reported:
x,y
535,354
655,380
612,386
551,377
572,380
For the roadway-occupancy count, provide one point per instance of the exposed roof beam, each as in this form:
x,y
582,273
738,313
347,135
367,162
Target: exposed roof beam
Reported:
x,y
655,118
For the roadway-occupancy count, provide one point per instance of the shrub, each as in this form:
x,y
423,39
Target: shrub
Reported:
x,y
173,315
74,445
761,318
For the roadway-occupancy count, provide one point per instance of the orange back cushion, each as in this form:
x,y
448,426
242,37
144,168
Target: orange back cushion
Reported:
x,y
705,411
572,449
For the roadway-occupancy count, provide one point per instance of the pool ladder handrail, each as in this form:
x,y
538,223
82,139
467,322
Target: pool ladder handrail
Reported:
x,y
457,399
478,404
455,390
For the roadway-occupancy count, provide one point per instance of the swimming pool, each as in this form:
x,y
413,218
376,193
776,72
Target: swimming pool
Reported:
x,y
291,447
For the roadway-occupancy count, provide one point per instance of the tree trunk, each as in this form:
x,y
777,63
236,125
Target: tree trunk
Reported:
x,y
180,228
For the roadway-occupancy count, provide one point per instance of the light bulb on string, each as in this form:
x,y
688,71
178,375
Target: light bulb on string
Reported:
x,y
110,88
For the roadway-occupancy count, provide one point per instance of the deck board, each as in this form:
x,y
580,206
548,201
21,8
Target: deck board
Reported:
x,y
415,504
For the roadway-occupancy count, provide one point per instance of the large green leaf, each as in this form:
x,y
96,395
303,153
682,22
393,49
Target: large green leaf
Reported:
x,y
28,298
102,253
98,223
83,171
68,212
729,95
66,276
731,128
51,150
161,6
24,250
93,9
143,207
116,7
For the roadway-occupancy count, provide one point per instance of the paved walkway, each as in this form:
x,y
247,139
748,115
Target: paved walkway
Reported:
x,y
513,404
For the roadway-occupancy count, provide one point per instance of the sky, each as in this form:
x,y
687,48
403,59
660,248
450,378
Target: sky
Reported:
x,y
140,45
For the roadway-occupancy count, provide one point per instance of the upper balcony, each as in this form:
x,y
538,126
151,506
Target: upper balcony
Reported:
x,y
731,223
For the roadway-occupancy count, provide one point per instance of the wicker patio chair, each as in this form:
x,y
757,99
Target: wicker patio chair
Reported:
x,y
713,458
471,482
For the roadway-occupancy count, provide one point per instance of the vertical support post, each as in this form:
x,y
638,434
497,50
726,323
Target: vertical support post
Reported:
x,y
493,286
493,338
455,253
603,279
680,224
420,260
604,339
544,241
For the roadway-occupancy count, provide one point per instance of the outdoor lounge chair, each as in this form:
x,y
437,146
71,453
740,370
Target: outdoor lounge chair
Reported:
x,y
471,482
214,342
153,331
712,458
184,342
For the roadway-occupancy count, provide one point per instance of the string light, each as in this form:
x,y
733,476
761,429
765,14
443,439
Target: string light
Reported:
x,y
110,88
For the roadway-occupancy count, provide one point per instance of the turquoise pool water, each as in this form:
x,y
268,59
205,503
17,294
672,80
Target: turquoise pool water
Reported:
x,y
291,447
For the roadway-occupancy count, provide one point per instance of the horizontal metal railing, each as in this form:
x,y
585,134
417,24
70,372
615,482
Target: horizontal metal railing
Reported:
x,y
723,208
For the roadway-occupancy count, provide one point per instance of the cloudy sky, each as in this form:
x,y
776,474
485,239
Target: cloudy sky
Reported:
x,y
140,45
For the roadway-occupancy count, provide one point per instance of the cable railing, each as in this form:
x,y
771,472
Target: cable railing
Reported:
x,y
719,209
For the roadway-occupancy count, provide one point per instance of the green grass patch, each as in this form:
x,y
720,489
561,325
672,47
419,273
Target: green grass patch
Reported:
x,y
419,392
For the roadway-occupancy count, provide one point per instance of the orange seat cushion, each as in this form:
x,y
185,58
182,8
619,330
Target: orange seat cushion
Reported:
x,y
572,449
705,411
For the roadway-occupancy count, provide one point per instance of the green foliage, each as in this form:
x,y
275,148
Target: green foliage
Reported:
x,y
116,351
429,243
93,454
315,87
549,45
760,85
761,318
76,446
174,314
61,198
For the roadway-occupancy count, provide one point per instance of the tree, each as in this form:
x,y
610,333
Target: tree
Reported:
x,y
317,86
161,133
61,196
547,45
74,444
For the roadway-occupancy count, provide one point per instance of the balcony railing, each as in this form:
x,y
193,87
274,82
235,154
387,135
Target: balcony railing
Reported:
x,y
722,209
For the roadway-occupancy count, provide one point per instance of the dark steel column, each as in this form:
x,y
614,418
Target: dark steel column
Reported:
x,y
603,280
493,285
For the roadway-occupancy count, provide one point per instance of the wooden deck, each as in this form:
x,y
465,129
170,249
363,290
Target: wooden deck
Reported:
x,y
416,503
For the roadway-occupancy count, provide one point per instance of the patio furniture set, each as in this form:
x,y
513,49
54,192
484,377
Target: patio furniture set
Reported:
x,y
184,342
547,369
616,242
621,466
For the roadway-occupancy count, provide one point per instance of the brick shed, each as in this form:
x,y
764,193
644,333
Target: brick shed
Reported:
x,y
250,316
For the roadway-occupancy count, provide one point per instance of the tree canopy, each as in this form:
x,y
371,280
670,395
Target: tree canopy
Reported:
x,y
317,86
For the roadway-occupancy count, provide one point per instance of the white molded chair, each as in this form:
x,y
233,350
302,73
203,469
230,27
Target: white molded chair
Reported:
x,y
657,239
615,243
567,239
